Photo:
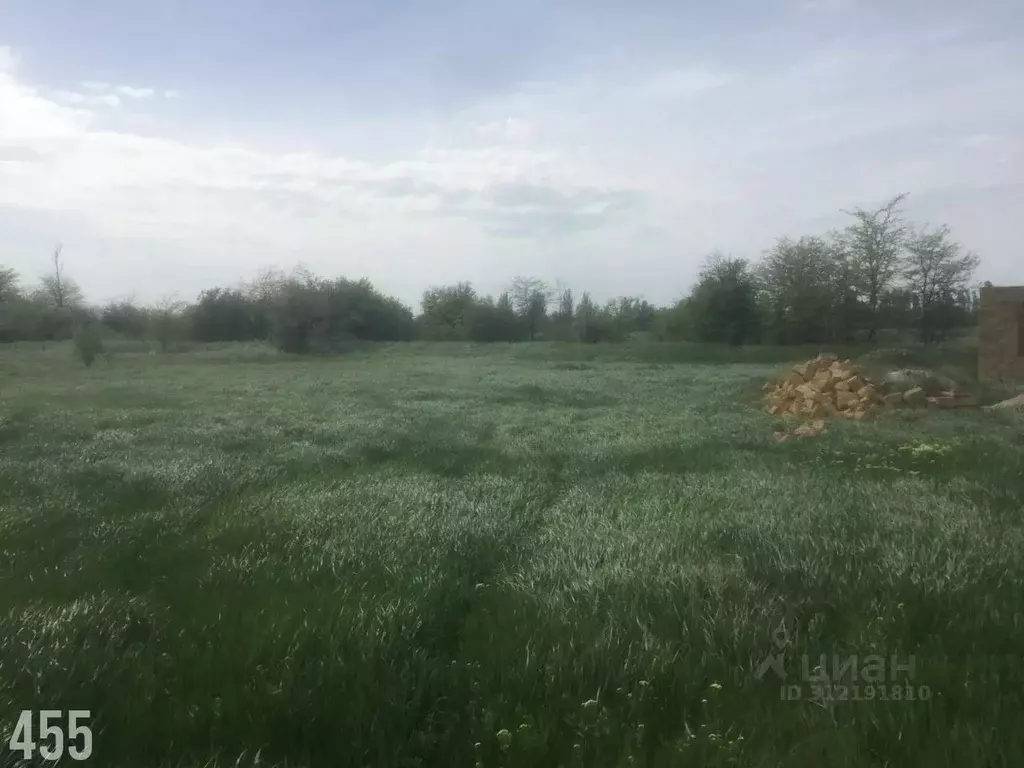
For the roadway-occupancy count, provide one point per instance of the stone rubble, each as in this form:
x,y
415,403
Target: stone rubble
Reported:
x,y
824,387
827,387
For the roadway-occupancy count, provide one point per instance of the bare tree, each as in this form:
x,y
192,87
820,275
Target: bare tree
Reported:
x,y
936,268
166,320
585,326
58,288
566,305
265,285
875,244
530,298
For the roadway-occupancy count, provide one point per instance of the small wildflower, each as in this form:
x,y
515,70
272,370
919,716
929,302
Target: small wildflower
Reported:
x,y
590,704
717,686
504,738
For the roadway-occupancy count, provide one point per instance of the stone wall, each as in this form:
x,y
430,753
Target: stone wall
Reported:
x,y
1001,333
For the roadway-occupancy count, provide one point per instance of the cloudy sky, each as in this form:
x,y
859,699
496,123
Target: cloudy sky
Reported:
x,y
177,144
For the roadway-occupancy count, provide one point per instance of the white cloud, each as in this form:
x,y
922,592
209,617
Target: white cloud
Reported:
x,y
509,129
102,92
89,99
100,95
28,119
622,183
136,93
120,186
683,82
8,60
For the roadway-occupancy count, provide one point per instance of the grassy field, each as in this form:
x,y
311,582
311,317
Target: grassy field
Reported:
x,y
507,556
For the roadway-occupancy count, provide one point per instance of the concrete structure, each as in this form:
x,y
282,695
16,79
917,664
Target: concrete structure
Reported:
x,y
1001,333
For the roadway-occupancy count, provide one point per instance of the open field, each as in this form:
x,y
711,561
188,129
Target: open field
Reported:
x,y
391,557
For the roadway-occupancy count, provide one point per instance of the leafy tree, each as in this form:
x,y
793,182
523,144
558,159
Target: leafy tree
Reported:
x,y
937,270
848,313
723,304
222,314
897,309
585,323
295,312
506,324
490,321
447,310
8,285
125,318
628,315
645,315
796,281
12,307
874,244
361,312
673,323
310,314
876,273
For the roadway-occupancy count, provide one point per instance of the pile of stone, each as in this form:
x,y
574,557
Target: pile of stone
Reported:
x,y
827,387
940,391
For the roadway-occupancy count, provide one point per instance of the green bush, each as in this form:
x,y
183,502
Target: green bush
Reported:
x,y
88,343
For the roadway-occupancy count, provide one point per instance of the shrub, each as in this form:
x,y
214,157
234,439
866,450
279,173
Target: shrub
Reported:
x,y
88,342
308,314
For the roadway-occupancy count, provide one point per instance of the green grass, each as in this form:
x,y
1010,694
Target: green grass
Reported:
x,y
234,558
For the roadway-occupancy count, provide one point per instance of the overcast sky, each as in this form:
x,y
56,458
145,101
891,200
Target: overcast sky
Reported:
x,y
173,145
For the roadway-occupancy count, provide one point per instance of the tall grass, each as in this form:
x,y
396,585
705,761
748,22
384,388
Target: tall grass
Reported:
x,y
504,556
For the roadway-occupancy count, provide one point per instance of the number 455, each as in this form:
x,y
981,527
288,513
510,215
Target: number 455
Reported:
x,y
21,740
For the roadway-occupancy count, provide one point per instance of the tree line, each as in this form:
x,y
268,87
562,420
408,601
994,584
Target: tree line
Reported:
x,y
879,272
